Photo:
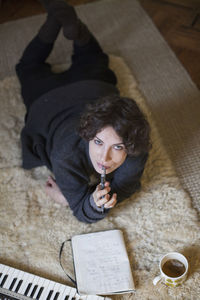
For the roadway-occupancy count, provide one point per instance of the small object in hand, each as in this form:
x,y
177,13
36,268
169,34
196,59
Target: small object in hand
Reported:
x,y
103,177
103,180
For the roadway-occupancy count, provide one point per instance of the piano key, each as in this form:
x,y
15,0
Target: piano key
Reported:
x,y
56,296
18,285
22,277
49,295
3,280
40,288
27,278
6,268
4,272
55,292
33,293
13,276
1,268
43,291
27,289
48,288
64,290
72,294
34,282
39,293
12,284
9,280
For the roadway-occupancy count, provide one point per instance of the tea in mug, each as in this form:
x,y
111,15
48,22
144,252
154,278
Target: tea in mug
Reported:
x,y
173,268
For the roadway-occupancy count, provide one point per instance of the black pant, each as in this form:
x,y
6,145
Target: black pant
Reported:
x,y
36,77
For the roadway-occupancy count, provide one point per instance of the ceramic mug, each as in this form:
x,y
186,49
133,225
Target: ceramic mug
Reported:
x,y
171,280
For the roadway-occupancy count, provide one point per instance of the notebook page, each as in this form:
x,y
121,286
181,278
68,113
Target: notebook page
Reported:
x,y
101,263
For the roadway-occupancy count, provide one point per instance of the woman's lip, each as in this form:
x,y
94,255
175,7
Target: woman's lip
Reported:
x,y
101,166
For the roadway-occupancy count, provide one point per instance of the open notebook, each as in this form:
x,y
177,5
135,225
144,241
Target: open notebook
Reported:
x,y
101,263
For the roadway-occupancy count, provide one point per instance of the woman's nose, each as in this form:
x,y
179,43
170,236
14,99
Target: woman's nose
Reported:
x,y
106,156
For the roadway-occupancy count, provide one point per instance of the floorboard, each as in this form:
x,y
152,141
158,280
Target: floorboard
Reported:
x,y
177,20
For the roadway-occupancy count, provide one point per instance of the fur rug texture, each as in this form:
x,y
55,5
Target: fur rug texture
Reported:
x,y
156,220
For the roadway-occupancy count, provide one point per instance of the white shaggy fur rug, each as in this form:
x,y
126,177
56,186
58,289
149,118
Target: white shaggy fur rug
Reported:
x,y
156,220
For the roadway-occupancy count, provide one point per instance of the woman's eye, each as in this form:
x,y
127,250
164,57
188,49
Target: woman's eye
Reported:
x,y
118,147
97,142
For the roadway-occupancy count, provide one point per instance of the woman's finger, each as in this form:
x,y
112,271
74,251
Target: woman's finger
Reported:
x,y
102,193
112,202
103,200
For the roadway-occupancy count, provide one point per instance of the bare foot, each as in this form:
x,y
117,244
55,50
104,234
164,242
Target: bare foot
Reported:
x,y
53,191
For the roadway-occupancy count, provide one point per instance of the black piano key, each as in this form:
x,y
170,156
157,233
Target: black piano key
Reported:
x,y
27,289
39,293
12,284
33,291
67,297
4,280
56,296
73,298
0,275
49,295
18,285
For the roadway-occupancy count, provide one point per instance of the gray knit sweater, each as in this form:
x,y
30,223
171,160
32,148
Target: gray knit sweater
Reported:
x,y
50,138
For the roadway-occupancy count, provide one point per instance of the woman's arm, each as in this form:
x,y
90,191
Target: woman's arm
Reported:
x,y
73,181
127,177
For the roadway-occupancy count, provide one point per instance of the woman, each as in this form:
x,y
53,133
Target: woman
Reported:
x,y
76,123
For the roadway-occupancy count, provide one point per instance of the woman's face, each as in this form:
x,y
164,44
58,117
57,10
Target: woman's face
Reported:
x,y
107,150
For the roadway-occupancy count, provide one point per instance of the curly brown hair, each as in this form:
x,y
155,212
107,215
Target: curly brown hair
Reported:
x,y
124,115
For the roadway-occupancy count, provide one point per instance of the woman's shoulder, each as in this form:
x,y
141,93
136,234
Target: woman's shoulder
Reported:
x,y
133,164
67,145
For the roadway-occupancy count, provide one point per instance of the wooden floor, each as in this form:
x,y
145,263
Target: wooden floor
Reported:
x,y
177,20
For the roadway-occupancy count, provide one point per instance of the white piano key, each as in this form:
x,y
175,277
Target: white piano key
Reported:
x,y
14,276
4,272
48,288
20,277
29,284
64,290
23,277
45,285
1,267
34,282
40,285
55,289
72,293
9,280
27,279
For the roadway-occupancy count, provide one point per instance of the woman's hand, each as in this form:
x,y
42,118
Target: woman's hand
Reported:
x,y
101,197
53,191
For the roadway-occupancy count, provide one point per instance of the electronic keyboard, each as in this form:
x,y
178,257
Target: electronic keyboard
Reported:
x,y
18,285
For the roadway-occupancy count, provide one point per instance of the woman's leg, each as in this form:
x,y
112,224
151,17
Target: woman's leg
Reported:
x,y
88,59
32,70
90,62
34,73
